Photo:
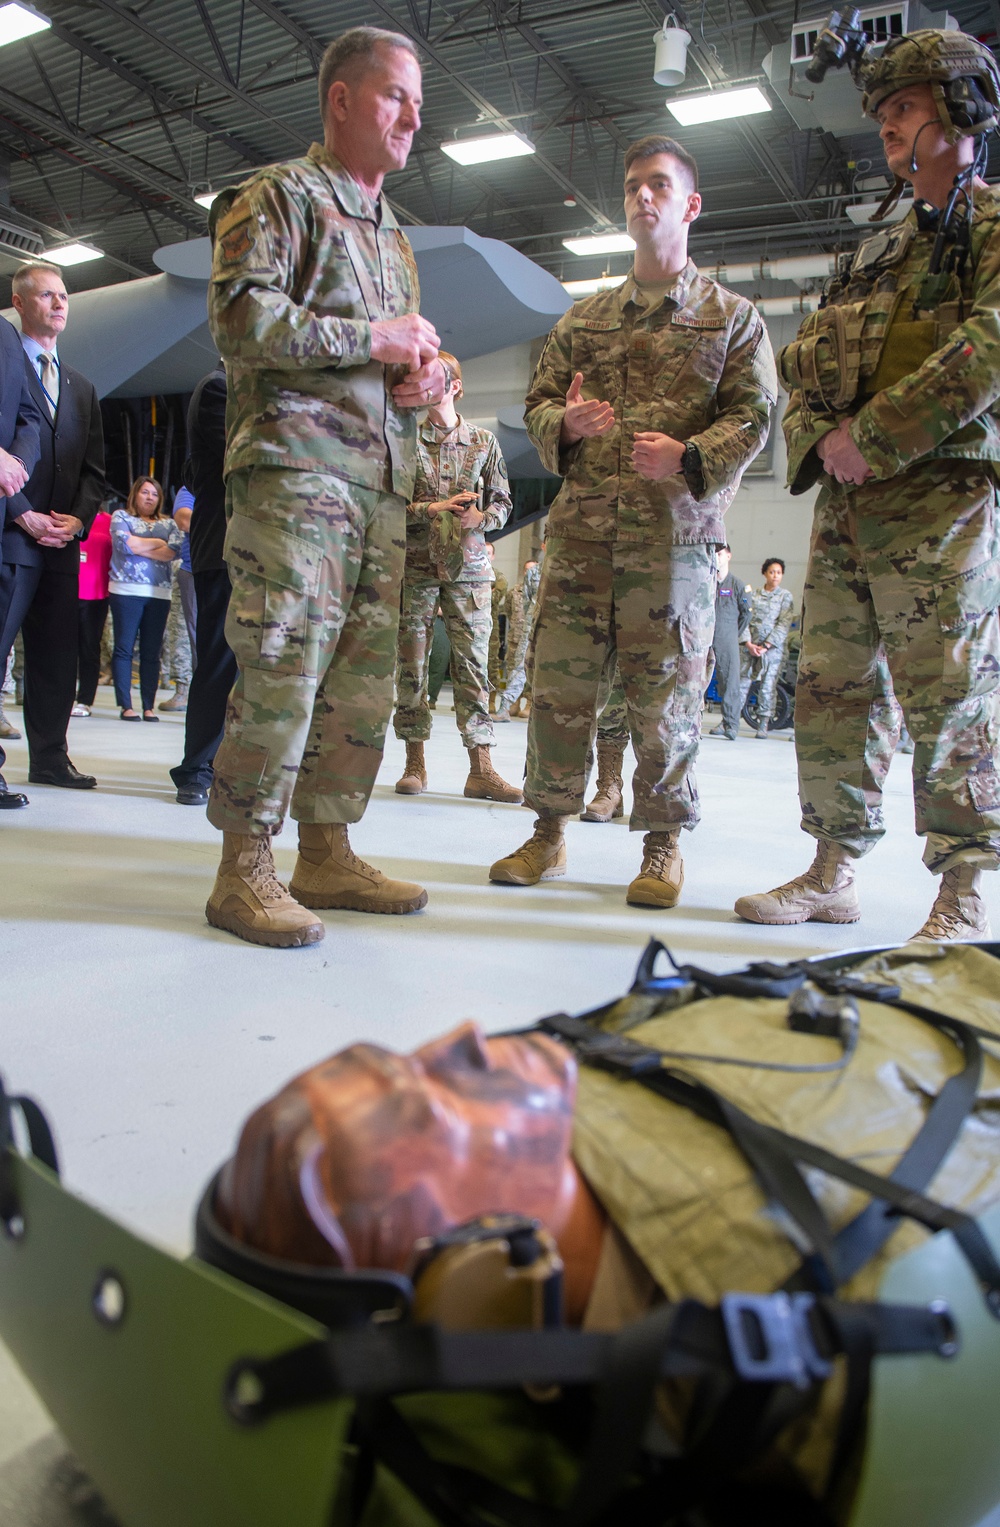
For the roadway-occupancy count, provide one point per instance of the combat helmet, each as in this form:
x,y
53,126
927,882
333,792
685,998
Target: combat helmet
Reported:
x,y
961,71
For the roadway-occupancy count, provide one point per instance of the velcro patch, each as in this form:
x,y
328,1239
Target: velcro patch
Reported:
x,y
235,245
691,321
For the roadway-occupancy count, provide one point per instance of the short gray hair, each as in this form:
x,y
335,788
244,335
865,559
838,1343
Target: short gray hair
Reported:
x,y
24,273
350,55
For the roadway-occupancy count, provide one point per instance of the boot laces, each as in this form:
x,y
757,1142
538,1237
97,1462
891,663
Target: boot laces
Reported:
x,y
658,853
265,877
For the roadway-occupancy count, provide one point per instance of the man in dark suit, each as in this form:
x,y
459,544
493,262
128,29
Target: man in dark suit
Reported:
x,y
20,427
215,669
39,581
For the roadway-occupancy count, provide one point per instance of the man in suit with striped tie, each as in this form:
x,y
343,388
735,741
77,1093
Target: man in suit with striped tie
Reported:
x,y
39,578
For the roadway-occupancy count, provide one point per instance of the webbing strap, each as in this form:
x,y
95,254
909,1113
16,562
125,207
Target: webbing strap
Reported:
x,y
752,1344
864,1236
41,1145
786,1341
774,1156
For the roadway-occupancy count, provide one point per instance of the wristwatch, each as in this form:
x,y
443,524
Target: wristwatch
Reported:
x,y
692,468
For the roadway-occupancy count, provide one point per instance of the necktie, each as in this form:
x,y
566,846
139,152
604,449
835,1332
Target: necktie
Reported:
x,y
50,380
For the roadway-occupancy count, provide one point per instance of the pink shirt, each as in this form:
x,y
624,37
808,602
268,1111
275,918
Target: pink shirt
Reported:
x,y
95,559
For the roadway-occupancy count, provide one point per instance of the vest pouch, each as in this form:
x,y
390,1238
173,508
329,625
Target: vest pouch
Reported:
x,y
823,362
907,345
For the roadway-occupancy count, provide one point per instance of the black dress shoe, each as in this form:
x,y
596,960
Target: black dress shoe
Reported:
x,y
192,795
67,777
10,800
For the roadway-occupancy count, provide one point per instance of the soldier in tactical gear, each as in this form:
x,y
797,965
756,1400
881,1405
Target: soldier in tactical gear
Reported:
x,y
894,393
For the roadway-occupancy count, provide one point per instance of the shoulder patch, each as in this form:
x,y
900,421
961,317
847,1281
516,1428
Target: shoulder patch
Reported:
x,y
236,243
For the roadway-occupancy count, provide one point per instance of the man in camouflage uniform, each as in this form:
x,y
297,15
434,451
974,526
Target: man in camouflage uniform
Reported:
x,y
461,492
905,534
313,304
764,646
523,603
630,565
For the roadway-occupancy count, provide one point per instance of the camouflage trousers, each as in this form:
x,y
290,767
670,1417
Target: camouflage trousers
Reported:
x,y
177,658
466,609
612,715
766,671
499,625
653,605
907,569
518,662
316,565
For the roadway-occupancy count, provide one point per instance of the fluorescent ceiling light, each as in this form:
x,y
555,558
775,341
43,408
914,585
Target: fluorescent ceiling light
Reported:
x,y
590,288
488,146
601,243
72,254
206,198
17,21
718,105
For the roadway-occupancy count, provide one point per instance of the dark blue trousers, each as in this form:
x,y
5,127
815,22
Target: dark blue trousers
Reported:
x,y
214,676
137,618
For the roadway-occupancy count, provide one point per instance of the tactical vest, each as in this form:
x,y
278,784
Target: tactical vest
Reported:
x,y
881,320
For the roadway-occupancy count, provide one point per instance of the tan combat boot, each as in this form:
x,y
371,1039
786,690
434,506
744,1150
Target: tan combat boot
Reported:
x,y
659,881
249,900
178,700
607,803
8,731
543,857
958,911
329,874
824,894
485,784
414,776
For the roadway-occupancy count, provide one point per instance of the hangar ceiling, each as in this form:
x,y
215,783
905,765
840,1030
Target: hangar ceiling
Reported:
x,y
115,118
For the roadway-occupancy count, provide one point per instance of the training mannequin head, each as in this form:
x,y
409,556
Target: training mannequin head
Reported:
x,y
359,1158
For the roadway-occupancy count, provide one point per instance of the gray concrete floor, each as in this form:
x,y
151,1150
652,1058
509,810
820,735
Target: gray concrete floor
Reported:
x,y
148,1036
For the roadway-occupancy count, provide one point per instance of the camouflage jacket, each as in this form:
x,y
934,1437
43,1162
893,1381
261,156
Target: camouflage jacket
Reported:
x,y
456,461
944,407
696,366
771,616
303,262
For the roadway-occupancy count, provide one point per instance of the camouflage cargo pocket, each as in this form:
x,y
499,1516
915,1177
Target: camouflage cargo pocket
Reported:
x,y
970,630
275,577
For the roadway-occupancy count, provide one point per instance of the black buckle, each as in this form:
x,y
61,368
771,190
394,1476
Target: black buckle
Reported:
x,y
771,1340
614,1052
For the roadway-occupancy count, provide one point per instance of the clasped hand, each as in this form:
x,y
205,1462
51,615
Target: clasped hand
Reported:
x,y
464,506
412,342
841,457
49,529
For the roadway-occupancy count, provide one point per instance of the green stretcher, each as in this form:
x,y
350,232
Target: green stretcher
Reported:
x,y
132,1349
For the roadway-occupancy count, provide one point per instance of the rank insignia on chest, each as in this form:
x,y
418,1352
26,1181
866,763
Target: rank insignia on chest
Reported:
x,y
640,344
